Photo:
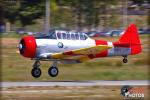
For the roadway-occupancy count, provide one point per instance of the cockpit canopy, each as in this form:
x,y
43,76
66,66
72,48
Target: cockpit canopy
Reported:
x,y
66,35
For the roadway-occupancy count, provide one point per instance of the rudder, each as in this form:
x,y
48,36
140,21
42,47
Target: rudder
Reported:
x,y
131,37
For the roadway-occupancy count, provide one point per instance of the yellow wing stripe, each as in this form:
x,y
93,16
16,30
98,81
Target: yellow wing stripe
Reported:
x,y
83,51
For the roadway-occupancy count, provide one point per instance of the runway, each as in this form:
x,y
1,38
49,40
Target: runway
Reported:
x,y
75,83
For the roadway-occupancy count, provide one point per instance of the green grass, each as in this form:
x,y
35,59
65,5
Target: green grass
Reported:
x,y
17,68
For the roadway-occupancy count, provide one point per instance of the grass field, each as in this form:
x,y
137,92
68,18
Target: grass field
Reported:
x,y
17,68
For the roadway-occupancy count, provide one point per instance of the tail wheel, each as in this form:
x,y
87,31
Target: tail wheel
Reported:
x,y
53,71
125,60
36,72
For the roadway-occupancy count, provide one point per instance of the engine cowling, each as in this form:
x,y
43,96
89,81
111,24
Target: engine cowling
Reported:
x,y
27,46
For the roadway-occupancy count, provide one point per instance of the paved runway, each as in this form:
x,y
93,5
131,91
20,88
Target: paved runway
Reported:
x,y
75,83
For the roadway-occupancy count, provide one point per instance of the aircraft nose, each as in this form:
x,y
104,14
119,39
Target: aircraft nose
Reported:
x,y
27,46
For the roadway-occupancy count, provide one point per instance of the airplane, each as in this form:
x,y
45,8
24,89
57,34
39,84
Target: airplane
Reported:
x,y
75,47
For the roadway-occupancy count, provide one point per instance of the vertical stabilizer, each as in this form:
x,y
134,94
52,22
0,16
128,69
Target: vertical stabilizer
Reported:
x,y
131,37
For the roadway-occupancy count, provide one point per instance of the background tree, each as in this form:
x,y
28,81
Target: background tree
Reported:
x,y
80,13
88,12
30,10
140,2
9,10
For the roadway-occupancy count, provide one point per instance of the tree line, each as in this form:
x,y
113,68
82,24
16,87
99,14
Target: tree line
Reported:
x,y
71,12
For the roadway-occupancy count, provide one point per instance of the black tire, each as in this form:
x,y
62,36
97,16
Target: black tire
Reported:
x,y
53,71
125,60
36,72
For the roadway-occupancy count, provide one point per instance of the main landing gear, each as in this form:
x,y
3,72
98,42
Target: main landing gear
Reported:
x,y
125,60
36,71
53,70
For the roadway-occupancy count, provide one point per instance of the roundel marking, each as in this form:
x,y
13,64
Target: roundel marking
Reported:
x,y
60,45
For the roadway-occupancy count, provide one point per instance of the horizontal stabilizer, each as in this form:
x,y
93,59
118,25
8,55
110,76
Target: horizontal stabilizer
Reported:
x,y
117,44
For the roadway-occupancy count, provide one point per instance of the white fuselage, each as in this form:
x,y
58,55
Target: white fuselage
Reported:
x,y
49,46
63,41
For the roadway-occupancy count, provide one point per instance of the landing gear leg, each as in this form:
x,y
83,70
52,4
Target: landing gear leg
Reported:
x,y
36,71
125,60
53,70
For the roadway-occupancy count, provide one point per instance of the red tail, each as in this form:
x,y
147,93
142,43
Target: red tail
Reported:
x,y
131,37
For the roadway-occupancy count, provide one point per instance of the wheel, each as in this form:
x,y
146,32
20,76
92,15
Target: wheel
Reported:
x,y
36,72
125,60
53,71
